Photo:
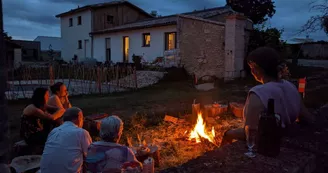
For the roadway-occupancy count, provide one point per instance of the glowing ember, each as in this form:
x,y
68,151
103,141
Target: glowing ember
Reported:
x,y
200,130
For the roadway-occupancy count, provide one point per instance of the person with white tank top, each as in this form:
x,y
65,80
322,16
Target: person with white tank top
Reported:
x,y
264,62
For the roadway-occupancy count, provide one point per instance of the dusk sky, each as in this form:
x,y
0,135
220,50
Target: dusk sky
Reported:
x,y
27,19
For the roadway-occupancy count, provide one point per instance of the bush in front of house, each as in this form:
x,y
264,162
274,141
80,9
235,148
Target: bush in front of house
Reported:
x,y
137,61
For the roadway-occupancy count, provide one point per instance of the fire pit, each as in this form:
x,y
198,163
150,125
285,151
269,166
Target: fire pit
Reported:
x,y
180,140
184,140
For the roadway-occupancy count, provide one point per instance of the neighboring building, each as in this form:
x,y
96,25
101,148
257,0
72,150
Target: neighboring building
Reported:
x,y
77,24
47,44
207,42
13,54
30,49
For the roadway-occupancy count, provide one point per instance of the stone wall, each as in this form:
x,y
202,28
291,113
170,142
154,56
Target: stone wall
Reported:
x,y
201,45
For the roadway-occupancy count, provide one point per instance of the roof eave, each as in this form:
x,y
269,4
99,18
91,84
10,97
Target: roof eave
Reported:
x,y
132,28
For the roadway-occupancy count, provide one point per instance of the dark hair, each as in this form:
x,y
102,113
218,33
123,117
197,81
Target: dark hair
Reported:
x,y
56,87
71,114
267,58
38,97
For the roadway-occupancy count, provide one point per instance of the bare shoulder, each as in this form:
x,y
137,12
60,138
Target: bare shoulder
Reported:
x,y
30,109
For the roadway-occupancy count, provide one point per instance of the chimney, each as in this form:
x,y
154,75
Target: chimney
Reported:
x,y
235,45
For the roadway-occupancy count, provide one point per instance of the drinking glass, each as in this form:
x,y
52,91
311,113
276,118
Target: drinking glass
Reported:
x,y
250,140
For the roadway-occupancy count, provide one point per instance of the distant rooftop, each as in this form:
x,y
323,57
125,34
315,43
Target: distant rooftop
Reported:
x,y
102,5
46,41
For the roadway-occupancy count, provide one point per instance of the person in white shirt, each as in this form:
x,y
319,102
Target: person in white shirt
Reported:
x,y
67,145
59,96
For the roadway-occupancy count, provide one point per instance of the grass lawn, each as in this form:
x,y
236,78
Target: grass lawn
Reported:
x,y
143,111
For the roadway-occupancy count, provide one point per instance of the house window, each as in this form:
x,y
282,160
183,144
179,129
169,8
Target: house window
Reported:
x,y
80,44
79,20
110,19
170,41
146,40
70,22
108,51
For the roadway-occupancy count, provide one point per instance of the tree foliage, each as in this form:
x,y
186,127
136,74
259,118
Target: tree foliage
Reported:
x,y
266,37
154,13
320,21
6,36
256,10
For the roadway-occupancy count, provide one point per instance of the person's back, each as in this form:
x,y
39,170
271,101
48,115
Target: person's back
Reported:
x,y
286,96
65,149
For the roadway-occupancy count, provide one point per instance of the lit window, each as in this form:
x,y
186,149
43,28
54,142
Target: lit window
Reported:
x,y
146,40
170,41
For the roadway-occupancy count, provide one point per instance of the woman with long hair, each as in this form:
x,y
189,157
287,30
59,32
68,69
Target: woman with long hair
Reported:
x,y
35,115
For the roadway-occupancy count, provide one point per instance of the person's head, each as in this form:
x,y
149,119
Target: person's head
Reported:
x,y
111,129
59,89
74,115
264,62
40,97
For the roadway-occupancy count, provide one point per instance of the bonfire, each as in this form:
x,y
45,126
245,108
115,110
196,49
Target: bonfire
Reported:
x,y
199,131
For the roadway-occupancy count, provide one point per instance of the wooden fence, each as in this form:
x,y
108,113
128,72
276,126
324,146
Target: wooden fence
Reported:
x,y
79,79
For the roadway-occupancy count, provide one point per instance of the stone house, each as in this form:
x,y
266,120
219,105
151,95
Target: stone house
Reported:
x,y
210,42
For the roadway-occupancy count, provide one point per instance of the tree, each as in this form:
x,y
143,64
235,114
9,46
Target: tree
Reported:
x,y
6,36
320,21
4,138
154,13
266,37
256,10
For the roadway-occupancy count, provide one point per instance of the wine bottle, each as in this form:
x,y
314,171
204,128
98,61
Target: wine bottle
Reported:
x,y
269,132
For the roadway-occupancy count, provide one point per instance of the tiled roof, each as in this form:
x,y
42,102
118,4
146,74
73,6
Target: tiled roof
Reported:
x,y
100,5
166,20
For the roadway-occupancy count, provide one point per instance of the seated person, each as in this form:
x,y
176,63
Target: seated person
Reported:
x,y
67,145
59,96
35,115
107,155
288,103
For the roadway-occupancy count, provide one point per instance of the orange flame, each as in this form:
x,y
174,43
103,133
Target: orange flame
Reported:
x,y
200,131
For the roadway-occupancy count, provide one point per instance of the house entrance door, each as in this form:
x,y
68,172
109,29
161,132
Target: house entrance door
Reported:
x,y
126,45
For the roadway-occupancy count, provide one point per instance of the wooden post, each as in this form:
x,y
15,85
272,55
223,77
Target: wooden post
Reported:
x,y
99,79
4,138
51,75
135,77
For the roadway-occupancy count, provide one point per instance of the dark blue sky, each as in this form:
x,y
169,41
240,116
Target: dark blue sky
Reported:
x,y
27,19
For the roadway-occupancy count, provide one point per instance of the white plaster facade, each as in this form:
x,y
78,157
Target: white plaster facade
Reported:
x,y
72,34
156,48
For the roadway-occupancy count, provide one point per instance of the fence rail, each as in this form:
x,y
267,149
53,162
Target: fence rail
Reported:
x,y
79,79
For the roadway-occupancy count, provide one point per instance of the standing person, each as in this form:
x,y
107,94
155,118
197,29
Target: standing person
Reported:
x,y
59,96
33,128
264,63
67,145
